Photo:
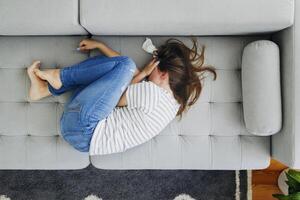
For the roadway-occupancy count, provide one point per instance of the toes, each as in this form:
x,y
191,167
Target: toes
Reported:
x,y
36,63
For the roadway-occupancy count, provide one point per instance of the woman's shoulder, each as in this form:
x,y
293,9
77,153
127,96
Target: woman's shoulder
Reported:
x,y
169,96
149,85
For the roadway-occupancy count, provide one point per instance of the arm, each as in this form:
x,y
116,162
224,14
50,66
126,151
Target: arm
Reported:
x,y
137,78
140,75
89,44
107,50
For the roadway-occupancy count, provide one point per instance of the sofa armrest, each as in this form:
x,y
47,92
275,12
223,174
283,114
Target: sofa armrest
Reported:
x,y
286,143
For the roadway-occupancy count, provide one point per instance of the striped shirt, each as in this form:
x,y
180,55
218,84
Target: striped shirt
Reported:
x,y
149,110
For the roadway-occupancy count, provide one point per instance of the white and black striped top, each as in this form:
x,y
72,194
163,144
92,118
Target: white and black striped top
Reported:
x,y
149,110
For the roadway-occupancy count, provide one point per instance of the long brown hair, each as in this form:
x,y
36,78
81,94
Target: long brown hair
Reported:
x,y
185,67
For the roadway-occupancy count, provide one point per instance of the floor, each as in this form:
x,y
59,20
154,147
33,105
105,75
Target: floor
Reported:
x,y
264,182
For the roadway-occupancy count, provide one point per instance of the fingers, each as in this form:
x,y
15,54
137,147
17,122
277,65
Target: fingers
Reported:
x,y
156,63
153,66
152,61
87,44
83,48
82,43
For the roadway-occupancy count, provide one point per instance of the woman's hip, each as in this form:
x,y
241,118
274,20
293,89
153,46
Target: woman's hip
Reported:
x,y
92,104
74,132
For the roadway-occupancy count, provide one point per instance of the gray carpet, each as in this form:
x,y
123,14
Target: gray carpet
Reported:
x,y
120,184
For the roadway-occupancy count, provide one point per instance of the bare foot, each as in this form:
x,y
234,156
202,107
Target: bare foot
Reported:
x,y
38,88
51,76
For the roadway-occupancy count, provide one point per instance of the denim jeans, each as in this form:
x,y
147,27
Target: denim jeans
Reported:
x,y
97,84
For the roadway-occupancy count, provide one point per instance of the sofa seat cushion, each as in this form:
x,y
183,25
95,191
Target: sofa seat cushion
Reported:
x,y
29,131
40,17
179,17
212,135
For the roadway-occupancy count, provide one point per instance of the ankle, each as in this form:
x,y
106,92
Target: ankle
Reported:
x,y
57,77
57,74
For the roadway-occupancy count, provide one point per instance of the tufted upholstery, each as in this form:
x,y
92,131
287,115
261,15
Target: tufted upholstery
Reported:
x,y
212,134
29,132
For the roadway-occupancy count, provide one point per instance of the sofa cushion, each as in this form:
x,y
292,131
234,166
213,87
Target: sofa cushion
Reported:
x,y
40,17
261,88
193,17
212,134
29,131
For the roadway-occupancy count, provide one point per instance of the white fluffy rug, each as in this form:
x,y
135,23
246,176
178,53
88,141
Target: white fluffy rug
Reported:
x,y
4,197
180,197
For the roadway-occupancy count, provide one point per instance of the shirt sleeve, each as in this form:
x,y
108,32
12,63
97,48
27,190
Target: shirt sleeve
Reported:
x,y
143,95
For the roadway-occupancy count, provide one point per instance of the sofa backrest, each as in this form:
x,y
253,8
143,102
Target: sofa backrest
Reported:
x,y
182,17
144,17
40,17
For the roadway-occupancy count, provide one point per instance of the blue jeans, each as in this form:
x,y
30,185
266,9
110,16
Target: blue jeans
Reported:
x,y
98,84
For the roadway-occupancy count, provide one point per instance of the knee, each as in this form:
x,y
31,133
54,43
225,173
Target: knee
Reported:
x,y
129,63
73,108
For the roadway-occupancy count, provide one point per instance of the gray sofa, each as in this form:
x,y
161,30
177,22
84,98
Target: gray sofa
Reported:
x,y
212,135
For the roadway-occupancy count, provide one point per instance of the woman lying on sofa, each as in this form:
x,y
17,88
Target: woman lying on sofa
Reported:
x,y
114,106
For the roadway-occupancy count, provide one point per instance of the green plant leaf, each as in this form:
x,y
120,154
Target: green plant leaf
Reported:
x,y
295,196
292,190
292,182
294,186
280,196
295,174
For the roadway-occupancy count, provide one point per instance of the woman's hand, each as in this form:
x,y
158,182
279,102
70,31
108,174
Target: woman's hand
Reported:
x,y
150,67
88,44
145,72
